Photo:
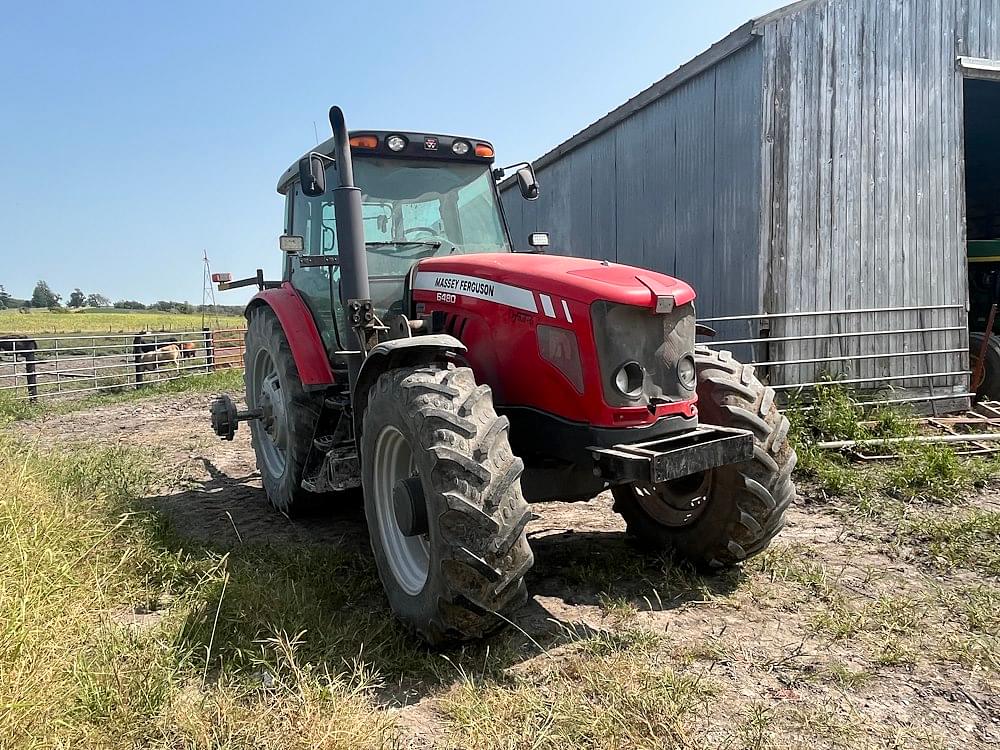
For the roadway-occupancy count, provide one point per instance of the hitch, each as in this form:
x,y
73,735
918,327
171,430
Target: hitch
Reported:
x,y
226,419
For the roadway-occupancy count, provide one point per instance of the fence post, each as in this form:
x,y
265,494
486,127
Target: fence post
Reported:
x,y
136,366
58,370
29,368
209,351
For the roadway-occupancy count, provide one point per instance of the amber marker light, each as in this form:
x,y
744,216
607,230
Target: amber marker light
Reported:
x,y
364,141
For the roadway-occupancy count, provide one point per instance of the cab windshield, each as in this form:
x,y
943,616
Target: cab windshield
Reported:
x,y
420,209
411,209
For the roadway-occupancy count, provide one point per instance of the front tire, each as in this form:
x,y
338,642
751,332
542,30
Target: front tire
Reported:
x,y
450,582
281,440
722,517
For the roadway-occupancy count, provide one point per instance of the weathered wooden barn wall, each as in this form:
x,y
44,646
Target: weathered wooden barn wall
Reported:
x,y
979,28
673,187
863,191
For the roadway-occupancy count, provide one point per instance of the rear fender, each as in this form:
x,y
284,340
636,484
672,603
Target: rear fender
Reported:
x,y
300,330
389,355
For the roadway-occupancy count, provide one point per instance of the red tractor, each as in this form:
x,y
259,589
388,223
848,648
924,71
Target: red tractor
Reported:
x,y
410,351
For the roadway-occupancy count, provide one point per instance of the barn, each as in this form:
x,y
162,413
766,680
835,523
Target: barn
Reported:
x,y
819,176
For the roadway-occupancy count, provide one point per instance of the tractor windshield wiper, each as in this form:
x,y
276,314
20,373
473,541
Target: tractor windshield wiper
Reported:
x,y
388,243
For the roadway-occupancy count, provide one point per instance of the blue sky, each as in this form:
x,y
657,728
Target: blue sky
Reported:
x,y
133,134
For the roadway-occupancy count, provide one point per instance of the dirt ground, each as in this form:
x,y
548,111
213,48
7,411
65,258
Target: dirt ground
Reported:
x,y
755,639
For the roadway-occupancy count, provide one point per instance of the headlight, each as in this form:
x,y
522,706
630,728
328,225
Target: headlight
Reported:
x,y
629,379
461,148
395,142
687,373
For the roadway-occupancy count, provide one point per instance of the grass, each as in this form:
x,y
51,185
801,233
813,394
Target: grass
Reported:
x,y
885,619
594,696
118,631
834,414
110,321
966,539
923,472
935,473
103,634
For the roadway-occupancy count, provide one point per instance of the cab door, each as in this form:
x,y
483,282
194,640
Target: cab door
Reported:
x,y
319,286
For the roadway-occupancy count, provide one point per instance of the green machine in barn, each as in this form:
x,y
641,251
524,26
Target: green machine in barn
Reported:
x,y
984,295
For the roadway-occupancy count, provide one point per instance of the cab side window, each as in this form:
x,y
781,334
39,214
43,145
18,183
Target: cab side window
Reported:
x,y
313,219
319,286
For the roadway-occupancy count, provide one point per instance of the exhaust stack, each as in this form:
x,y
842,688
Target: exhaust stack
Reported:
x,y
351,240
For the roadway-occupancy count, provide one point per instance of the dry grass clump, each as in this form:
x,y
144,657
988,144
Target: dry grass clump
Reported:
x,y
94,622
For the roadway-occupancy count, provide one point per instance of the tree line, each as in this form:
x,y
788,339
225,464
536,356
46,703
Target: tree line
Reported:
x,y
43,296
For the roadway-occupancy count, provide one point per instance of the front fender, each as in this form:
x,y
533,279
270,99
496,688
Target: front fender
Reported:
x,y
300,330
399,353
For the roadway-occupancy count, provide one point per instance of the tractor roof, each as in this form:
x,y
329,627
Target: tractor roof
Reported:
x,y
418,146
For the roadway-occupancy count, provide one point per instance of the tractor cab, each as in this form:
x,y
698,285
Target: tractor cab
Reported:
x,y
422,196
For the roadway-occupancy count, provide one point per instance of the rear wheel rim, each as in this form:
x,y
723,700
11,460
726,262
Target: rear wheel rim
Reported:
x,y
273,425
408,556
678,503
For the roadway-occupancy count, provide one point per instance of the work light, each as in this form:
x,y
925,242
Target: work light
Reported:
x,y
461,148
395,142
686,372
629,379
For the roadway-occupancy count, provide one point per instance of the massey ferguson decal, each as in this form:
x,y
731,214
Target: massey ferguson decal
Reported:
x,y
450,284
466,286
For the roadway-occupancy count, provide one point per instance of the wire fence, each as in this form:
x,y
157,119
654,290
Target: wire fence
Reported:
x,y
892,354
56,366
887,355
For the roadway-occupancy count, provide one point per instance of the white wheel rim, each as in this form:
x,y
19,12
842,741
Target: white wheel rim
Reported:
x,y
265,392
409,557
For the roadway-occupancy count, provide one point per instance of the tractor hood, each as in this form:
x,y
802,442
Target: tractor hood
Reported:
x,y
578,279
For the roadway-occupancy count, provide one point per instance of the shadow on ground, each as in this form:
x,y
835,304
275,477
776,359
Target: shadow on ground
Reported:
x,y
315,576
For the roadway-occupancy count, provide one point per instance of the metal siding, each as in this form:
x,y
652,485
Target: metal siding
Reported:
x,y
862,189
673,187
518,218
603,197
645,167
695,176
553,213
733,265
580,179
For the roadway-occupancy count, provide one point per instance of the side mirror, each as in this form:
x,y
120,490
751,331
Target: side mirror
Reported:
x,y
527,183
291,243
539,240
312,175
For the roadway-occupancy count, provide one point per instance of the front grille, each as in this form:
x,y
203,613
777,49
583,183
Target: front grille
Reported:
x,y
624,334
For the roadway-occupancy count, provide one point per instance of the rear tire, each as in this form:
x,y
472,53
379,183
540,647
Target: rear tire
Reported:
x,y
989,388
282,444
740,508
449,583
